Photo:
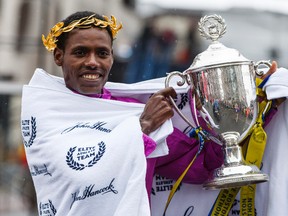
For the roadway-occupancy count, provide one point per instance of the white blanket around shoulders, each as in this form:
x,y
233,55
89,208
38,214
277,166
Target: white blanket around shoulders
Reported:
x,y
68,137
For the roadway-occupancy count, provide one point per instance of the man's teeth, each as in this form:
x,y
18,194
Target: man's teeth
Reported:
x,y
91,76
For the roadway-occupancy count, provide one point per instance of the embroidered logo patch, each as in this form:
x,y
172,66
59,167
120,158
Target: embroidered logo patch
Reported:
x,y
78,158
29,131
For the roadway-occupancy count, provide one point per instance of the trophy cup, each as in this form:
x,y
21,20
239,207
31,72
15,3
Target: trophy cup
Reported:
x,y
224,81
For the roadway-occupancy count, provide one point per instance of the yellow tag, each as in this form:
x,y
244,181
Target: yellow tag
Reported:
x,y
254,155
256,146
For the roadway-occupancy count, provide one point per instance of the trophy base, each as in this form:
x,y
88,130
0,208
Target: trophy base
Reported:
x,y
237,176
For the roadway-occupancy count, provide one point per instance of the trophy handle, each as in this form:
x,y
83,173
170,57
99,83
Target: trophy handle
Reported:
x,y
256,67
184,78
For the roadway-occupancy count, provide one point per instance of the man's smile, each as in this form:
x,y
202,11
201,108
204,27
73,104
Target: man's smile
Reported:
x,y
91,76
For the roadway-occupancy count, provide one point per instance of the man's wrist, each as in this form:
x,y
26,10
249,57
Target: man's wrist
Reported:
x,y
145,127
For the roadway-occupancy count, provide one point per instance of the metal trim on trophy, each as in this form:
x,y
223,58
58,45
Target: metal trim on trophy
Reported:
x,y
225,82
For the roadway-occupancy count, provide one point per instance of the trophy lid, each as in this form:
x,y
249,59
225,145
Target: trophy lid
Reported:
x,y
217,55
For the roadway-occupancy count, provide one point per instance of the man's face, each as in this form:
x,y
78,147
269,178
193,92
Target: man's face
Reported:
x,y
86,60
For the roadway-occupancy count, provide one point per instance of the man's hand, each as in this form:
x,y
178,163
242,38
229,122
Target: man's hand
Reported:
x,y
157,110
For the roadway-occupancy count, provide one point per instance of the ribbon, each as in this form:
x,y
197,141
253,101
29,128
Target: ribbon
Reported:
x,y
223,202
200,134
254,155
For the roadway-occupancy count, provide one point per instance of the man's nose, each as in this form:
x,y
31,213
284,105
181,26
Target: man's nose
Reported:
x,y
92,61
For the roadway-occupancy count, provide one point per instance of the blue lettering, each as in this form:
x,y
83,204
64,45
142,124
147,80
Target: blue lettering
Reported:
x,y
88,192
96,126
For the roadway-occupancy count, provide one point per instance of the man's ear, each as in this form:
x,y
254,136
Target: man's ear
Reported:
x,y
58,56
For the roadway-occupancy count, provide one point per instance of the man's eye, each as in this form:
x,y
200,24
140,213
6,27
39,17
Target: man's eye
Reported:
x,y
79,52
104,53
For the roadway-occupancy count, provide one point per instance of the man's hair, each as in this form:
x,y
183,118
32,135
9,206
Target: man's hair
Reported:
x,y
61,40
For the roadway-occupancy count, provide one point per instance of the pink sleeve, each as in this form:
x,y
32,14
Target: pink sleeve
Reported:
x,y
149,144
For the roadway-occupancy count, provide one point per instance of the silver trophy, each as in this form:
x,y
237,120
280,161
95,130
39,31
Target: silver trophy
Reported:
x,y
224,81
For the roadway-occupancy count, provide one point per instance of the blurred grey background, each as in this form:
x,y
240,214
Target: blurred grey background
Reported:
x,y
158,37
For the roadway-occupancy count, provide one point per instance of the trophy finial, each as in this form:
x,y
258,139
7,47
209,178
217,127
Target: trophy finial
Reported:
x,y
212,27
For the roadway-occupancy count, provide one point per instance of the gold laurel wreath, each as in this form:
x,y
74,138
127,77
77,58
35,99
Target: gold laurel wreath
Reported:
x,y
85,22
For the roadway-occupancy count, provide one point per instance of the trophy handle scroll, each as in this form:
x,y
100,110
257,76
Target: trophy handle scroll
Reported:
x,y
184,79
258,64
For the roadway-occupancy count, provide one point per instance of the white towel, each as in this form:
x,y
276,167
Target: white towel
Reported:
x,y
277,84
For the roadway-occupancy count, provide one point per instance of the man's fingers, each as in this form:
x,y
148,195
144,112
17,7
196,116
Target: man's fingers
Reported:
x,y
166,92
272,69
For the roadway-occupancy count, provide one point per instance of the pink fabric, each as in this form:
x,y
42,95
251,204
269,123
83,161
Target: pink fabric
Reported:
x,y
151,163
182,150
149,145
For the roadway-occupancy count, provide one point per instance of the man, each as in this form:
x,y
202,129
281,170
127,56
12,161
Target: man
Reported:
x,y
87,149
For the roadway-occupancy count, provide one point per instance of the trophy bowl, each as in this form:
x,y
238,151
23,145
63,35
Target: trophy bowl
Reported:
x,y
225,83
